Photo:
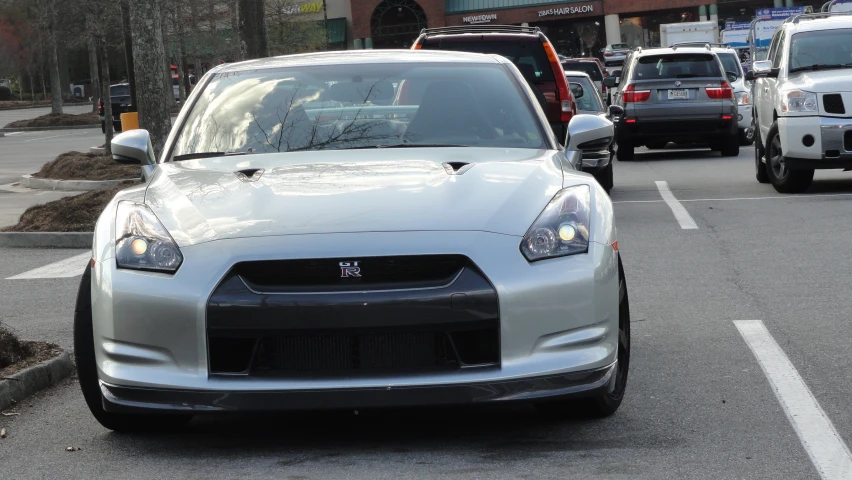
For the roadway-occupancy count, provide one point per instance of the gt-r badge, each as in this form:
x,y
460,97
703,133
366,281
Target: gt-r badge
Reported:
x,y
349,269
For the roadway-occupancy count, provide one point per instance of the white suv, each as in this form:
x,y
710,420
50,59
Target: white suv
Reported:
x,y
801,94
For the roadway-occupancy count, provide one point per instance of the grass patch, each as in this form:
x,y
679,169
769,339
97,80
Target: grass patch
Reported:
x,y
70,214
87,166
58,120
16,355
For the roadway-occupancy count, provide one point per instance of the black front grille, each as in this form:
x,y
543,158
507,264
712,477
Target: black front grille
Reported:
x,y
295,354
847,141
833,103
348,274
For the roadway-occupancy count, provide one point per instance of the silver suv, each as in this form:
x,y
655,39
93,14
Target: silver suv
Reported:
x,y
678,94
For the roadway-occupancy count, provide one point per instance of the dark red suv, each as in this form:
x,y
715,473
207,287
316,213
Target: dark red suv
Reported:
x,y
528,48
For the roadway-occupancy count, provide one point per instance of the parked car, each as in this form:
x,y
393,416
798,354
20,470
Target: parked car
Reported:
x,y
742,88
803,100
615,54
121,103
527,47
597,158
5,89
276,264
189,85
675,95
591,66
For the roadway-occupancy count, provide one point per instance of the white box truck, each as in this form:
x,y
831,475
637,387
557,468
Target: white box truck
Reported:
x,y
672,33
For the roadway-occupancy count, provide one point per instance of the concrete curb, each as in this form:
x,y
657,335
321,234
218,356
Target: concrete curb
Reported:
x,y
47,129
35,379
91,149
46,239
28,181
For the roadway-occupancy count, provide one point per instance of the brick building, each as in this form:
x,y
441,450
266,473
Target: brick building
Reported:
x,y
577,28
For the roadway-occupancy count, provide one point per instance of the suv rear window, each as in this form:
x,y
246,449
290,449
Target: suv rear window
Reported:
x,y
528,56
682,65
590,68
119,91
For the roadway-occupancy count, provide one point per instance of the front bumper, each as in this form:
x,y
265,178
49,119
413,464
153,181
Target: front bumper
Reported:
x,y
556,318
744,116
139,400
832,141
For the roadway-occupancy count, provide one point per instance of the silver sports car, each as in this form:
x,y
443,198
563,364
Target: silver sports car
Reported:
x,y
355,230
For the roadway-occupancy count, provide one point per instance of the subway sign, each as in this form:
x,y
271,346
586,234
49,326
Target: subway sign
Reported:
x,y
571,10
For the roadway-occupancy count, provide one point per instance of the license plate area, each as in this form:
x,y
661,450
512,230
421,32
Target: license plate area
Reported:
x,y
681,94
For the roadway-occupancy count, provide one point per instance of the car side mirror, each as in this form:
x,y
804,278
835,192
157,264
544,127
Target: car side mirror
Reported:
x,y
749,76
761,68
577,90
732,76
610,82
133,148
773,72
614,113
588,131
616,73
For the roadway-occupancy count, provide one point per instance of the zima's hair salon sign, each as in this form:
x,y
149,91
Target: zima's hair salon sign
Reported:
x,y
473,19
567,10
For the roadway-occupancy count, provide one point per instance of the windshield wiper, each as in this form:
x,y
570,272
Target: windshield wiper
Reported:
x,y
192,156
821,66
421,145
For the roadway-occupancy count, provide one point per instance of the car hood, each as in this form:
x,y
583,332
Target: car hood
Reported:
x,y
355,191
827,81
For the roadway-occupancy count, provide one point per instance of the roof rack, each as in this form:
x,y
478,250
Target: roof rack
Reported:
x,y
701,44
814,16
480,29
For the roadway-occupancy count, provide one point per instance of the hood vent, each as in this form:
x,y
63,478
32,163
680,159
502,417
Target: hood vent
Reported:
x,y
457,168
249,174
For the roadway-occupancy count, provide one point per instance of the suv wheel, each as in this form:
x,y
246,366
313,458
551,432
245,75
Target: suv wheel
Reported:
x,y
730,146
625,151
660,145
604,177
746,136
784,179
759,168
84,352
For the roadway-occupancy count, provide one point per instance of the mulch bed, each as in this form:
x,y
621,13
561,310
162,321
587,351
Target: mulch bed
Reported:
x,y
58,120
16,355
70,214
86,166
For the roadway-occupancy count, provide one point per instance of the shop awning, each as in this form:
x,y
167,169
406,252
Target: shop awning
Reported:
x,y
337,30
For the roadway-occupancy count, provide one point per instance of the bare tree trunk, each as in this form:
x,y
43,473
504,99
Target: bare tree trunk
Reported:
x,y
253,28
53,65
149,57
32,87
105,94
179,62
93,71
128,53
235,30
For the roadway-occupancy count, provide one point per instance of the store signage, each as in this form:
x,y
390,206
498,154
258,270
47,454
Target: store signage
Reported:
x,y
737,25
571,10
313,7
474,19
781,13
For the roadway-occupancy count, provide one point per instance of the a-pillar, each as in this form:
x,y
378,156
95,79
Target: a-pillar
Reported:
x,y
613,29
702,13
714,13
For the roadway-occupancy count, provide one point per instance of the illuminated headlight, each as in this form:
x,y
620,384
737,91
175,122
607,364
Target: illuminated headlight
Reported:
x,y
562,228
799,101
142,242
742,98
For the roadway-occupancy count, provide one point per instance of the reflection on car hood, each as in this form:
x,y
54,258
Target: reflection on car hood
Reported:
x,y
821,81
355,191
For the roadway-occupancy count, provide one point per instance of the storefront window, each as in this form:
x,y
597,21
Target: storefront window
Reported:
x,y
575,38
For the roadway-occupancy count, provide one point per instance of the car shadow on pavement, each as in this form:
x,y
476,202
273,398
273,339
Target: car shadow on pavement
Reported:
x,y
675,154
830,185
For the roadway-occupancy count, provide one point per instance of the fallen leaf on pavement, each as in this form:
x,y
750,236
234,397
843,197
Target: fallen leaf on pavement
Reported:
x,y
2,433
10,414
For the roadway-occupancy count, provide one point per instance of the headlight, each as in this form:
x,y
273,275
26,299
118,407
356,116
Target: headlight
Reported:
x,y
799,101
562,228
742,98
142,242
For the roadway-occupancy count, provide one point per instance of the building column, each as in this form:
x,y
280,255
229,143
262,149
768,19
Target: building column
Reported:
x,y
788,3
613,29
714,13
358,44
702,13
368,43
778,3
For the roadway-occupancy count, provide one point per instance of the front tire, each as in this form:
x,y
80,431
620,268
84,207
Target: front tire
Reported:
x,y
783,178
604,177
605,404
759,168
730,146
657,145
746,137
87,373
625,152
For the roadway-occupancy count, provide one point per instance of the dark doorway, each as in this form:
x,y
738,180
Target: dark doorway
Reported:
x,y
396,23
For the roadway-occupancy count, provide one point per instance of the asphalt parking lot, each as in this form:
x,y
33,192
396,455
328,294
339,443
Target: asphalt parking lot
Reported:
x,y
705,248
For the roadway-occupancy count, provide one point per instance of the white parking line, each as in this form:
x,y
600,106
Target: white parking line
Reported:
x,y
54,136
828,452
775,197
70,267
681,215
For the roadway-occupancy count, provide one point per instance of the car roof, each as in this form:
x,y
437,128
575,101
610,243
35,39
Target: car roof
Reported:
x,y
351,57
810,24
670,51
578,74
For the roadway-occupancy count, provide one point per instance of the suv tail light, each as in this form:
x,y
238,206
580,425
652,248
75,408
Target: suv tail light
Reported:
x,y
724,91
607,54
565,99
100,107
632,95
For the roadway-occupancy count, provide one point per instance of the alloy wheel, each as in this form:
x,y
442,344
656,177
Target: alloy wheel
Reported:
x,y
776,160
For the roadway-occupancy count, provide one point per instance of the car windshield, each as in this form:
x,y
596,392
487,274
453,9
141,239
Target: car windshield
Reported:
x,y
529,56
620,46
119,91
590,68
683,65
821,48
359,106
730,62
590,101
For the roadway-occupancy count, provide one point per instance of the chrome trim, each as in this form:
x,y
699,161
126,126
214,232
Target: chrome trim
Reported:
x,y
355,291
832,131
